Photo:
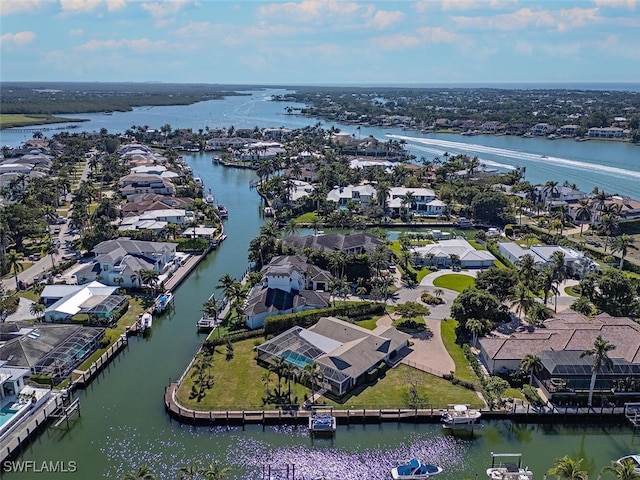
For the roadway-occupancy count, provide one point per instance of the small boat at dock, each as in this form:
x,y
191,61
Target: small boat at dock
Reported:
x,y
508,466
322,423
634,459
145,321
414,470
163,302
459,416
222,211
198,181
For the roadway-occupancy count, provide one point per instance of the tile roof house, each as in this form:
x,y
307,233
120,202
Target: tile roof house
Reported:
x,y
343,352
359,242
289,285
123,258
560,342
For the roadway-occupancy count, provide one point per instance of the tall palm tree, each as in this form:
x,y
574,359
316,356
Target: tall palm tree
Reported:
x,y
621,244
531,364
583,212
475,326
623,470
601,361
527,270
522,300
568,468
37,310
582,305
14,260
142,473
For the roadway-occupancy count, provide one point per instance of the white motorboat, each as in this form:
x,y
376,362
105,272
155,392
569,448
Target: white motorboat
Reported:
x,y
634,458
163,301
508,466
414,470
459,416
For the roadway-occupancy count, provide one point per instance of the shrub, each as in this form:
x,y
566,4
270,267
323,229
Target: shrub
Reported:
x,y
431,299
532,396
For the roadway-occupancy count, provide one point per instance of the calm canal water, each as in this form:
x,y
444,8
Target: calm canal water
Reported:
x,y
123,422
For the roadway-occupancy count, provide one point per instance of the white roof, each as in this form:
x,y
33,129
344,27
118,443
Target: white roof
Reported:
x,y
71,303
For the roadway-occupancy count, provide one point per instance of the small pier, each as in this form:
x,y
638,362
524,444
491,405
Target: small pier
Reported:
x,y
632,414
96,367
65,412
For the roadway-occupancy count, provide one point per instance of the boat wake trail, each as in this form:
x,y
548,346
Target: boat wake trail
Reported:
x,y
437,146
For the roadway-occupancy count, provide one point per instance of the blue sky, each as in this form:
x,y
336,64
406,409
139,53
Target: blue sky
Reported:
x,y
320,41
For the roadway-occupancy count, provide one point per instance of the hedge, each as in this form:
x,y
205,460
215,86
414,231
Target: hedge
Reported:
x,y
279,323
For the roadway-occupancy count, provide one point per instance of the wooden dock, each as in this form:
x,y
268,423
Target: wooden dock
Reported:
x,y
300,416
96,367
13,443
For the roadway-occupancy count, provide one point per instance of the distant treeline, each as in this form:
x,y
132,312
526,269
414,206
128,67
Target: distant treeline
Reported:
x,y
58,98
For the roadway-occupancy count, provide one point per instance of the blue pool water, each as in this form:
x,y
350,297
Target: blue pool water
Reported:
x,y
7,412
295,358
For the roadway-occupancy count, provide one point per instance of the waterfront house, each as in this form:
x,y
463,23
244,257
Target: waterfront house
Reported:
x,y
576,262
356,243
119,261
48,349
358,193
156,220
254,152
423,202
607,132
345,354
443,253
540,129
559,343
62,302
289,284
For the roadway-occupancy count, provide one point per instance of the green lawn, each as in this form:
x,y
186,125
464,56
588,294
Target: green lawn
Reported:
x,y
112,334
308,217
238,385
454,281
463,370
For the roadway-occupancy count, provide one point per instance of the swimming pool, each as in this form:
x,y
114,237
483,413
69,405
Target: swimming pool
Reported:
x,y
8,411
297,359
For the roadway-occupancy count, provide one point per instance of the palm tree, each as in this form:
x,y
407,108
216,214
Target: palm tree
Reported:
x,y
527,270
621,244
522,300
142,473
601,361
582,305
583,212
37,310
531,363
190,472
551,191
14,261
623,470
475,326
568,468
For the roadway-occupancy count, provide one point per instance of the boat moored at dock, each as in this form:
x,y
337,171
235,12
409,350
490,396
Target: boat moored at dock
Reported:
x,y
460,416
508,466
322,423
163,302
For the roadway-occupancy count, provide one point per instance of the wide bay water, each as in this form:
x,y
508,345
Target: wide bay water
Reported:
x,y
123,423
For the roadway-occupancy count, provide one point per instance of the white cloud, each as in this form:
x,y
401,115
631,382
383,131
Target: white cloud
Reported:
x,y
630,4
525,18
437,35
431,5
311,11
167,8
383,19
114,5
8,7
79,6
399,41
524,48
140,45
78,32
20,38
